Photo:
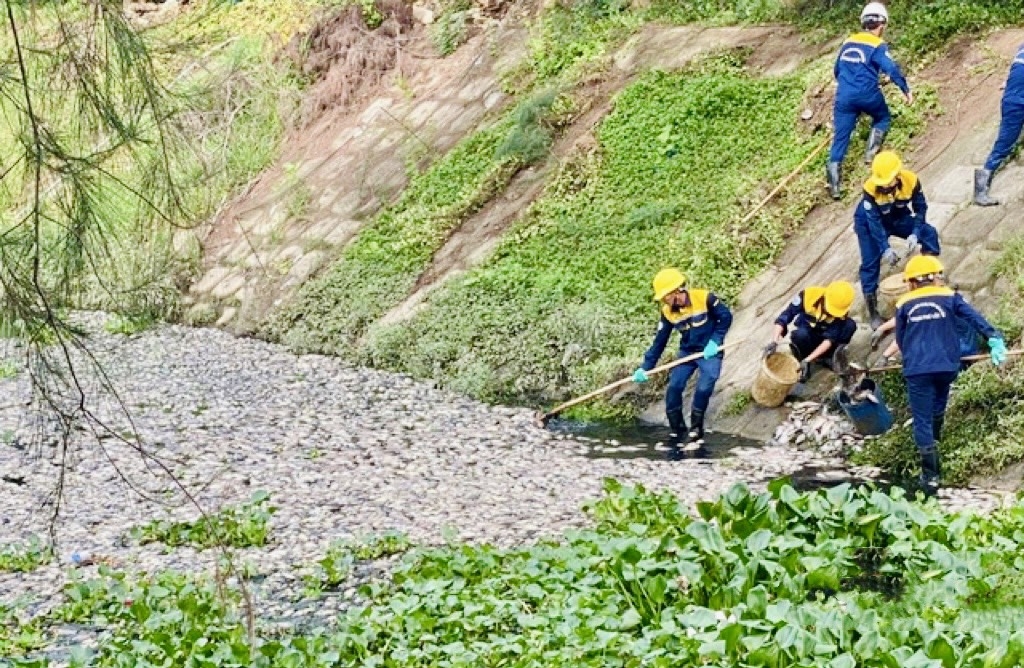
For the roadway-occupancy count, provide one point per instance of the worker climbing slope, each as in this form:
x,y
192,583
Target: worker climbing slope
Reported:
x,y
862,58
818,325
1010,126
893,204
926,333
702,321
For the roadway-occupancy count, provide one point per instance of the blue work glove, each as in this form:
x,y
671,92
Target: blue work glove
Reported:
x,y
640,376
911,244
891,257
710,350
997,350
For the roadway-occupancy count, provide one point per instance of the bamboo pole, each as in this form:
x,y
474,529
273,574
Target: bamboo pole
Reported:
x,y
542,419
785,181
966,358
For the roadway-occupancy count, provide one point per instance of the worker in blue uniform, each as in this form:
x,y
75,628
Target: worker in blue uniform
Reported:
x,y
862,58
926,333
702,321
965,333
893,205
1010,126
818,325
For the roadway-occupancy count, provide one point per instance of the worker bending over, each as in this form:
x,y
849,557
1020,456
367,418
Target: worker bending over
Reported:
x,y
862,57
818,325
926,333
702,321
893,204
1010,125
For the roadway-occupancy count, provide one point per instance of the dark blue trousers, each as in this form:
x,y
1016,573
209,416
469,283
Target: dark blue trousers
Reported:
x,y
1009,132
710,370
845,113
871,252
928,394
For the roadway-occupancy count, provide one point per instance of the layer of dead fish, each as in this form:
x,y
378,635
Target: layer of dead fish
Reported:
x,y
813,425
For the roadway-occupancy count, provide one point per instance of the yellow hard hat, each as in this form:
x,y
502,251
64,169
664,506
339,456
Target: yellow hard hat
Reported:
x,y
922,265
667,281
885,168
838,298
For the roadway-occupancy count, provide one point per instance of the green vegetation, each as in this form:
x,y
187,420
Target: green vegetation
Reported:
x,y
984,430
335,567
451,29
19,634
25,556
244,526
130,324
570,37
838,578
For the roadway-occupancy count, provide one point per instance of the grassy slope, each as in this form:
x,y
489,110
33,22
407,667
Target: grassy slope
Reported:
x,y
572,278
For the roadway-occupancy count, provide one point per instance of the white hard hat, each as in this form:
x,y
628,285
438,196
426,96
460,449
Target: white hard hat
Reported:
x,y
875,10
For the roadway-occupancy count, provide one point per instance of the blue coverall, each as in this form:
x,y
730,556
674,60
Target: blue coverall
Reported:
x,y
861,59
1012,114
702,319
809,325
926,331
898,214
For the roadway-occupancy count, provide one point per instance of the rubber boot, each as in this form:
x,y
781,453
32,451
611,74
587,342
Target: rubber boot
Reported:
x,y
876,317
937,422
832,173
875,140
696,435
930,470
676,424
982,181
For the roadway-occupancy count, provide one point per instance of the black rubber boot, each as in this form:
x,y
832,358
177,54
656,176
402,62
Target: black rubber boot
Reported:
x,y
930,470
937,422
875,140
876,317
696,434
982,181
832,173
676,424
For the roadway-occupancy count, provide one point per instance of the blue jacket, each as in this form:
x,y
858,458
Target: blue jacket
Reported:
x,y
807,311
862,57
704,318
878,212
926,329
1015,82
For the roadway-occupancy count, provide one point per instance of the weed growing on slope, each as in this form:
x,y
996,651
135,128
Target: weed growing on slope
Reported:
x,y
918,29
680,158
451,28
840,578
244,526
571,37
